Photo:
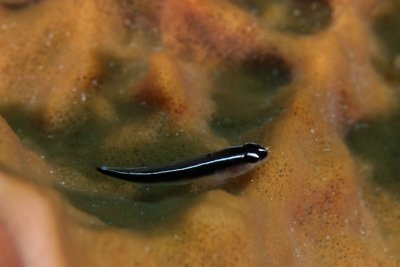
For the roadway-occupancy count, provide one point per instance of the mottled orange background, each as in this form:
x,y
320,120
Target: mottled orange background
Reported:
x,y
133,83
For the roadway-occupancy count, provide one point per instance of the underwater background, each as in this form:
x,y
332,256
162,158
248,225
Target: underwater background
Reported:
x,y
145,83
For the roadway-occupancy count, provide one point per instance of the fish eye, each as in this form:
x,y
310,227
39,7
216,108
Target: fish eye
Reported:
x,y
252,157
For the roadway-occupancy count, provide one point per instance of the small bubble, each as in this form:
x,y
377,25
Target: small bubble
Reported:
x,y
127,22
157,48
362,231
396,61
296,12
83,97
314,6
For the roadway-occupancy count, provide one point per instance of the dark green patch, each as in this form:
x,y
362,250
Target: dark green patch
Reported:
x,y
121,212
378,143
301,17
387,28
244,95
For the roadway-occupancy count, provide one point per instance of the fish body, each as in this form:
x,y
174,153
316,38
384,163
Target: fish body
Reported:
x,y
218,166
